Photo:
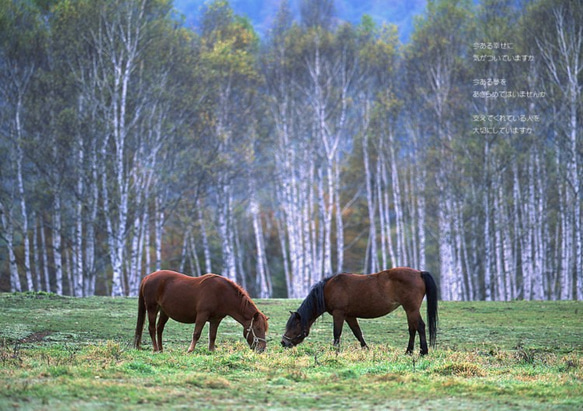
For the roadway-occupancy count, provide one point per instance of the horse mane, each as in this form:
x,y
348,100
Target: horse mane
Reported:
x,y
246,299
314,304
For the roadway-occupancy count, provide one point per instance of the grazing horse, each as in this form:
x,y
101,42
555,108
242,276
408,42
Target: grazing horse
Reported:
x,y
350,296
197,300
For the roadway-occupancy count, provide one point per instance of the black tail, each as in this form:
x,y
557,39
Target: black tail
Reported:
x,y
432,317
141,319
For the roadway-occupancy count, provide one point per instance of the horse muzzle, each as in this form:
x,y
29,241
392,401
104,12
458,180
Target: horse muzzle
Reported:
x,y
286,342
260,349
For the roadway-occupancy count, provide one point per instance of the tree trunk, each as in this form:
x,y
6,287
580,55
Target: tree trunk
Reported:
x,y
205,243
8,229
57,250
372,239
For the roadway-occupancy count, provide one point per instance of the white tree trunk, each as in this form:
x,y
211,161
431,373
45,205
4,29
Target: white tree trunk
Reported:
x,y
537,223
421,226
445,254
134,270
8,231
488,249
372,239
77,251
37,251
238,254
22,201
205,243
385,215
262,277
194,255
225,231
339,221
397,198
45,259
57,250
159,217
499,227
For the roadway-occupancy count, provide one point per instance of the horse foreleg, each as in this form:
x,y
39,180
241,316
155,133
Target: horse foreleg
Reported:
x,y
214,326
338,323
200,321
160,328
353,324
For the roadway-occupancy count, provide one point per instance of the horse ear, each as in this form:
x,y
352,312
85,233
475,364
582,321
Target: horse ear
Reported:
x,y
295,314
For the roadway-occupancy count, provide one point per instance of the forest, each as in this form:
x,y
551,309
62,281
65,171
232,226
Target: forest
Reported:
x,y
130,142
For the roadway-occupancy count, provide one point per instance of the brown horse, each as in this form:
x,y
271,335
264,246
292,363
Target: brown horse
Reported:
x,y
350,296
197,300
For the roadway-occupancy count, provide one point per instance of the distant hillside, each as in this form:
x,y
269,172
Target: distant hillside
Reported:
x,y
261,12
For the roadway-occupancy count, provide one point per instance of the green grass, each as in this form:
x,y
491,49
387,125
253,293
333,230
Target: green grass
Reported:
x,y
66,353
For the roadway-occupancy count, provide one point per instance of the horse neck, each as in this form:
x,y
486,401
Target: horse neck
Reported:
x,y
244,312
309,318
309,314
314,305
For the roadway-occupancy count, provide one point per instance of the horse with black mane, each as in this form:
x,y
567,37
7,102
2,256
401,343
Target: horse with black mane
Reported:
x,y
350,296
197,300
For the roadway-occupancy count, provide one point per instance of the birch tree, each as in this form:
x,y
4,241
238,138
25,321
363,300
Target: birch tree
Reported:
x,y
293,164
228,48
436,50
561,46
379,61
331,65
22,53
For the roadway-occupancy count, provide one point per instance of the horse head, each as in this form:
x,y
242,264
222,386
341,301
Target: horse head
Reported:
x,y
295,331
256,331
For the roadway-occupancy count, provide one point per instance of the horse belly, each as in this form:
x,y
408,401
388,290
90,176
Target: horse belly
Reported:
x,y
186,318
375,312
179,306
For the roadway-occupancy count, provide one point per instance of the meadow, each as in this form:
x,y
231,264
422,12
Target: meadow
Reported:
x,y
66,353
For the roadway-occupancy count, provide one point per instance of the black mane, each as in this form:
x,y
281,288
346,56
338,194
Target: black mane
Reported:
x,y
314,304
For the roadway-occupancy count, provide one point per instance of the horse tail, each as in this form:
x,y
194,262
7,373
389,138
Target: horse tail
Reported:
x,y
432,317
141,319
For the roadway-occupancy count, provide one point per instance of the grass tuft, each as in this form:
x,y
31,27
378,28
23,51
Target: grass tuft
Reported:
x,y
463,369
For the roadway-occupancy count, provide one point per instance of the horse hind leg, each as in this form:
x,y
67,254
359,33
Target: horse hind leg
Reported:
x,y
152,314
353,324
416,325
160,329
422,337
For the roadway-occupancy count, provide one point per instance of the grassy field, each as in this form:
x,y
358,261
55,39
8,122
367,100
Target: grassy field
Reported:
x,y
65,353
